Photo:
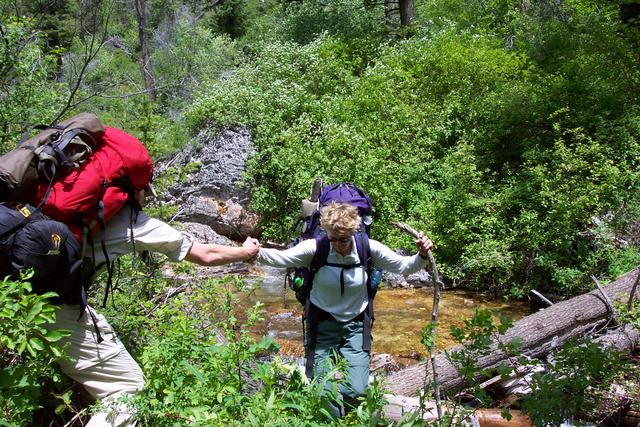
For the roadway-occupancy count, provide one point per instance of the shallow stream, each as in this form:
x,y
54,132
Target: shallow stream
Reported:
x,y
400,316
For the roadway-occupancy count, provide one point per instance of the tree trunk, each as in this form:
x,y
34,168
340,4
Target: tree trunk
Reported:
x,y
630,13
540,333
406,12
388,12
144,45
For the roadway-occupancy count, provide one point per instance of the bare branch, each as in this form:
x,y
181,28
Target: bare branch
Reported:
x,y
607,300
632,294
434,315
99,15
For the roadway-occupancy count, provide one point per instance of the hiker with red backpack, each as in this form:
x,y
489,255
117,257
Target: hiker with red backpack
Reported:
x,y
71,203
337,260
98,360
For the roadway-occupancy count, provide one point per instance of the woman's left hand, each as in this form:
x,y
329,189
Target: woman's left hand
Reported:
x,y
424,244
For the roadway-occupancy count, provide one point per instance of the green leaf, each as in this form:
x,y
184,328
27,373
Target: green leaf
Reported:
x,y
295,406
252,419
36,344
47,316
193,370
272,398
10,342
30,349
49,295
22,346
506,414
267,343
428,334
34,311
56,352
504,371
326,413
56,335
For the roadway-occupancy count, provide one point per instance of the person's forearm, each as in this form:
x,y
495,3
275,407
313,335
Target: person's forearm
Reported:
x,y
213,255
390,261
298,256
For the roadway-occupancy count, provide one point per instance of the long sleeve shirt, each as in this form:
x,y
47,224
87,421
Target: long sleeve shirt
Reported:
x,y
326,293
123,236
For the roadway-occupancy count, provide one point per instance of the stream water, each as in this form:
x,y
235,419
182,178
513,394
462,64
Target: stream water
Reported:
x,y
400,316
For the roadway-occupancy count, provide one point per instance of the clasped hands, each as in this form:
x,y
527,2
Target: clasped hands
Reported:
x,y
252,246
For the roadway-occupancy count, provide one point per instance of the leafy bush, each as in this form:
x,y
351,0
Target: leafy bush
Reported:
x,y
27,96
188,56
491,148
349,20
27,352
579,375
576,381
205,366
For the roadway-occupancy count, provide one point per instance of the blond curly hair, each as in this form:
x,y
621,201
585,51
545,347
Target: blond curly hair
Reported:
x,y
340,218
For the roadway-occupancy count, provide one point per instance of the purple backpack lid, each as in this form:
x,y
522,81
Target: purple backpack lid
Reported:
x,y
346,193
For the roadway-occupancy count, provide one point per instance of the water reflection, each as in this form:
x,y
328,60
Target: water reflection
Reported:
x,y
400,316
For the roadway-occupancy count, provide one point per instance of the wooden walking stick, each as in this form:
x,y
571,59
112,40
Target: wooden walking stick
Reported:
x,y
434,313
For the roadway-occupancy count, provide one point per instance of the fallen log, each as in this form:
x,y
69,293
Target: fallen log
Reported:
x,y
539,333
397,406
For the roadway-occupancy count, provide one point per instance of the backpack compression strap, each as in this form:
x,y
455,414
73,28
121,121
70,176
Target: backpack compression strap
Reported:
x,y
52,154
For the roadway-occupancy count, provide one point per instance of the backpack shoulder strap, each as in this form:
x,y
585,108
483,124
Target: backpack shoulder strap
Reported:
x,y
364,252
319,258
363,249
322,252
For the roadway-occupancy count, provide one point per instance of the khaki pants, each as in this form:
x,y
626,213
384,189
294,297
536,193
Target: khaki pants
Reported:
x,y
106,370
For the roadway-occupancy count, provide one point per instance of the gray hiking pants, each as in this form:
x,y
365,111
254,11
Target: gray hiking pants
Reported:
x,y
343,339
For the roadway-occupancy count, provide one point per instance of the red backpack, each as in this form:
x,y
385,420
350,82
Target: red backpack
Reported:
x,y
77,174
98,189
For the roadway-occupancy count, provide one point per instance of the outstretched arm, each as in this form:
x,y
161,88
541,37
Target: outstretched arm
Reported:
x,y
209,254
297,256
388,260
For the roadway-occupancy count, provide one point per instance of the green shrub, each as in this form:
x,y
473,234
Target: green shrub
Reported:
x,y
27,352
27,95
574,384
204,365
491,150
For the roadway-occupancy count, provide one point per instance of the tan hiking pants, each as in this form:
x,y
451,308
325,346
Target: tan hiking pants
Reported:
x,y
106,370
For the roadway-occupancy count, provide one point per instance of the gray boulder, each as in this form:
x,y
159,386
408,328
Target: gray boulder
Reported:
x,y
214,193
420,279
